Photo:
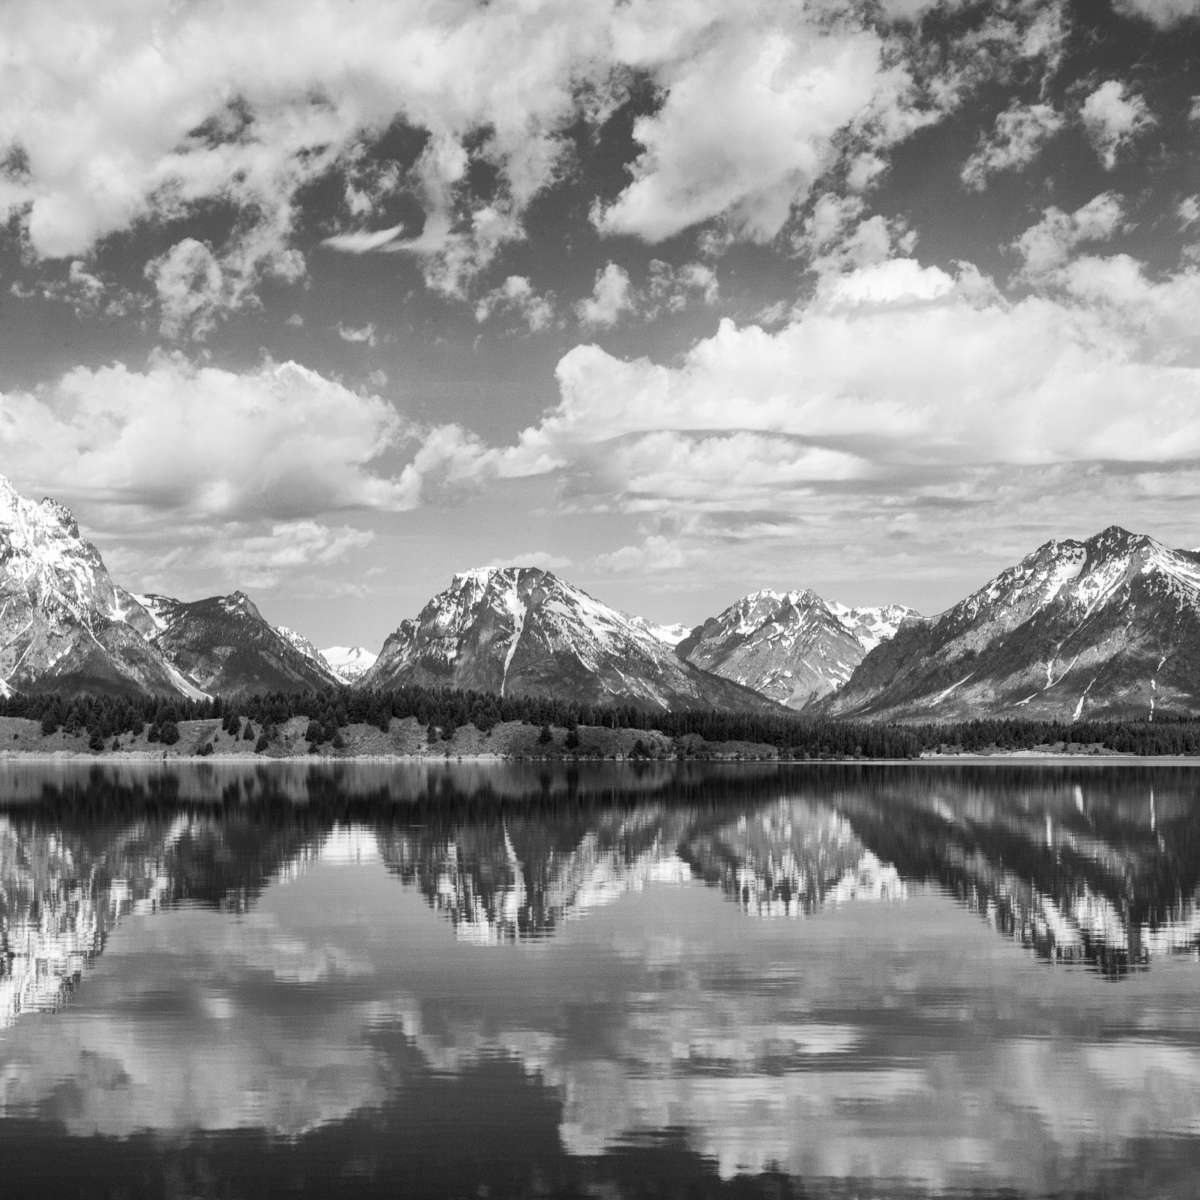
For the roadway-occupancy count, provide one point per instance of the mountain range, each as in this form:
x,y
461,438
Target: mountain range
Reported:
x,y
1109,626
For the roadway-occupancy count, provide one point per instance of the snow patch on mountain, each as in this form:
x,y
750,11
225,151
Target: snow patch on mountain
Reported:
x,y
793,647
523,631
348,663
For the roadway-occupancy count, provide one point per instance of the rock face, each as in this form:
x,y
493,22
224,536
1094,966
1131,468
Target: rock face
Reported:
x,y
64,624
227,647
1105,627
348,663
793,647
520,631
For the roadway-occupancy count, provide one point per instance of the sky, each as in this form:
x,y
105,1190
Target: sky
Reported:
x,y
327,300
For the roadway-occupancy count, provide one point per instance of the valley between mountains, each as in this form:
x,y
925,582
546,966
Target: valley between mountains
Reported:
x,y
1108,627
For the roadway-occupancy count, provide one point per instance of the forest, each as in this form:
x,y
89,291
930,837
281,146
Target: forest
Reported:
x,y
105,718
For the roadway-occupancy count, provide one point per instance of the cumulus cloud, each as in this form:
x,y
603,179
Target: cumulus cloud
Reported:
x,y
1048,245
120,112
256,555
898,388
612,297
667,289
1015,141
362,335
834,235
745,130
279,441
517,295
1163,13
1113,117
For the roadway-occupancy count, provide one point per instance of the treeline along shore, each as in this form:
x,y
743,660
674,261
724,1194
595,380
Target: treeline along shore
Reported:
x,y
424,722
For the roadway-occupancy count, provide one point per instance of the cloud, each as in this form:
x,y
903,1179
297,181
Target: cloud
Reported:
x,y
363,241
517,295
1048,245
746,129
279,441
667,289
197,288
363,335
655,554
254,556
1163,13
897,389
672,289
83,290
1113,118
612,297
121,114
1017,138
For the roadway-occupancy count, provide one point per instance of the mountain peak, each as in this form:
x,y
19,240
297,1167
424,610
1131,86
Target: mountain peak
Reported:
x,y
1118,540
62,514
484,577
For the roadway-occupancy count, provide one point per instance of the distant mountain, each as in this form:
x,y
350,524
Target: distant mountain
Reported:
x,y
793,647
521,631
348,663
226,645
1105,627
64,624
671,635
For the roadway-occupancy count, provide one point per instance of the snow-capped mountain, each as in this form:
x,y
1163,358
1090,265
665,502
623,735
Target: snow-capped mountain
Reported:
x,y
64,624
521,631
348,663
225,645
793,647
670,635
1109,626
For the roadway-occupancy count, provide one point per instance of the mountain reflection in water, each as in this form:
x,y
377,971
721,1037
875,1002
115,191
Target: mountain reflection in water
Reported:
x,y
244,949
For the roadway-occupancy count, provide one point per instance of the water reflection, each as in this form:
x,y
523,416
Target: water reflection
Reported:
x,y
293,955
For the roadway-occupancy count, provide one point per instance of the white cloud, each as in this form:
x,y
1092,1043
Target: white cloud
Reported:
x,y
197,289
834,238
518,295
1188,211
1113,118
667,289
612,297
363,241
746,128
1163,13
1048,245
85,292
363,335
278,441
1016,140
260,555
121,111
656,553
898,385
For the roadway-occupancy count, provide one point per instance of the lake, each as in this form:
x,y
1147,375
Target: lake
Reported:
x,y
611,981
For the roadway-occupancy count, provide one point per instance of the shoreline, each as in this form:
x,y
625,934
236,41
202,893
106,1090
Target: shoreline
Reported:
x,y
1007,758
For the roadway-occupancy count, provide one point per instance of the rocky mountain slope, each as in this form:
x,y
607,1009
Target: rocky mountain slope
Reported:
x,y
64,624
1107,627
521,631
793,647
227,647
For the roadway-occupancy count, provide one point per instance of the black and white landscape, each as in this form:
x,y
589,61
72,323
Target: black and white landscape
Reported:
x,y
599,599
1105,627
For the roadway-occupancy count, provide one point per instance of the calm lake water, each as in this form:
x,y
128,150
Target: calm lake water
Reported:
x,y
509,981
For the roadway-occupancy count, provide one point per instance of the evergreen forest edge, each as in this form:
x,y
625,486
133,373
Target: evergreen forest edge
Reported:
x,y
257,717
